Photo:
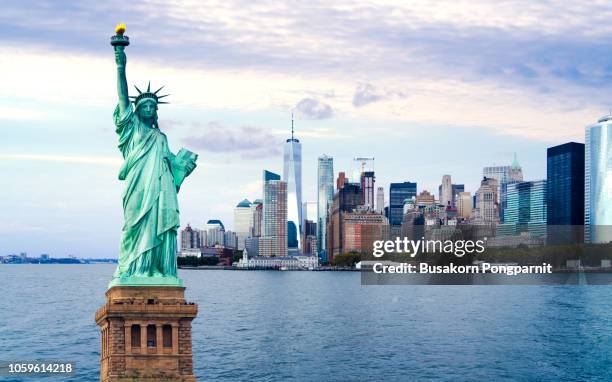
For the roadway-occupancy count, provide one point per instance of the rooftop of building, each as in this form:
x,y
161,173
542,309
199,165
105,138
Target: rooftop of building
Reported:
x,y
216,221
244,203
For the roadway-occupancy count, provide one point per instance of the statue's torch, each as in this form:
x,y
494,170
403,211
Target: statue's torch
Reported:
x,y
119,39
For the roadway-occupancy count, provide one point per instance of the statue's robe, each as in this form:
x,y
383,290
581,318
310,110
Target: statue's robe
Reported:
x,y
150,204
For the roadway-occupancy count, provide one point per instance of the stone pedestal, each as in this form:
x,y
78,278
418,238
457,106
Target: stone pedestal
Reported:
x,y
146,334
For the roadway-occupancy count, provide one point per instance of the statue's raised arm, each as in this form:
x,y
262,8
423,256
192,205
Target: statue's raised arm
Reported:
x,y
119,42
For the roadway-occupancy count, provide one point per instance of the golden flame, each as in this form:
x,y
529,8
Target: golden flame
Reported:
x,y
120,28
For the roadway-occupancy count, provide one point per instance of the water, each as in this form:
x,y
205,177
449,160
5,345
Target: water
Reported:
x,y
317,326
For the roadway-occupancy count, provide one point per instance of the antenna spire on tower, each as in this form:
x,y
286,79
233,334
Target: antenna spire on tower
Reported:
x,y
291,125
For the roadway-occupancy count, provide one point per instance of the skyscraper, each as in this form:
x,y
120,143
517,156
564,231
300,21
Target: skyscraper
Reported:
x,y
486,201
456,190
464,205
598,181
256,217
398,192
526,210
292,175
380,199
243,221
367,188
325,197
446,190
274,239
504,176
565,192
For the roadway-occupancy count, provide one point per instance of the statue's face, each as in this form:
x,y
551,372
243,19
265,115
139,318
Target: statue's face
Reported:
x,y
147,109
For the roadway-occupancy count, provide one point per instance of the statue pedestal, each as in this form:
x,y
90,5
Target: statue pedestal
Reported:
x,y
146,334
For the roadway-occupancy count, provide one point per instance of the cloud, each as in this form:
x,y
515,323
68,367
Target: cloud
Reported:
x,y
249,142
365,94
311,108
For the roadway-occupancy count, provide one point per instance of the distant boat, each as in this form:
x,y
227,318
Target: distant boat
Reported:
x,y
283,268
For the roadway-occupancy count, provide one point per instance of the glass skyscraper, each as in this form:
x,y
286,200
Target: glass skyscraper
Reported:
x,y
598,181
526,210
325,198
398,192
292,175
565,192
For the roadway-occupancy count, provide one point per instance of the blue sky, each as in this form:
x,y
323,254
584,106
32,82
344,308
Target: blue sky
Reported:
x,y
426,87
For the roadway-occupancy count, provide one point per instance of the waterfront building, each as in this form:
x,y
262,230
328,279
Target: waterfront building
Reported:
x,y
190,238
598,181
526,210
361,228
463,201
243,221
565,193
380,199
274,239
398,192
456,189
292,176
215,233
504,176
367,188
251,245
346,199
424,198
341,180
257,217
230,240
486,201
309,238
283,263
446,190
325,198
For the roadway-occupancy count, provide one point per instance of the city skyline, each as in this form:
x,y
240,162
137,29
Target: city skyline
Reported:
x,y
363,79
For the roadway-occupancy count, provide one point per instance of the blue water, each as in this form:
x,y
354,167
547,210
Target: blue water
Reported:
x,y
319,326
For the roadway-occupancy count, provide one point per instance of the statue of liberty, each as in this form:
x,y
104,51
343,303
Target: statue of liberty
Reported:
x,y
152,176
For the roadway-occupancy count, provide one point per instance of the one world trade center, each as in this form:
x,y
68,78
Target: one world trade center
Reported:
x,y
292,174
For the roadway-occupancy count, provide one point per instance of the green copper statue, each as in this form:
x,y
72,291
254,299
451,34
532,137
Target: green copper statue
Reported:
x,y
153,176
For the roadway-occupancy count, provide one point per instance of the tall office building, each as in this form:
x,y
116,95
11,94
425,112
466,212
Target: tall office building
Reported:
x,y
243,218
398,192
425,199
526,210
598,181
361,228
446,190
346,199
325,197
292,175
456,189
504,176
565,193
341,180
190,238
215,233
274,236
464,205
256,218
367,189
380,199
310,211
486,201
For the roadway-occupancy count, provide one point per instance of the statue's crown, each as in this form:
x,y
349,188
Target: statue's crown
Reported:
x,y
148,95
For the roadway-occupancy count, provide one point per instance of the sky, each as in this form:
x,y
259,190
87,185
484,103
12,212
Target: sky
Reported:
x,y
427,88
